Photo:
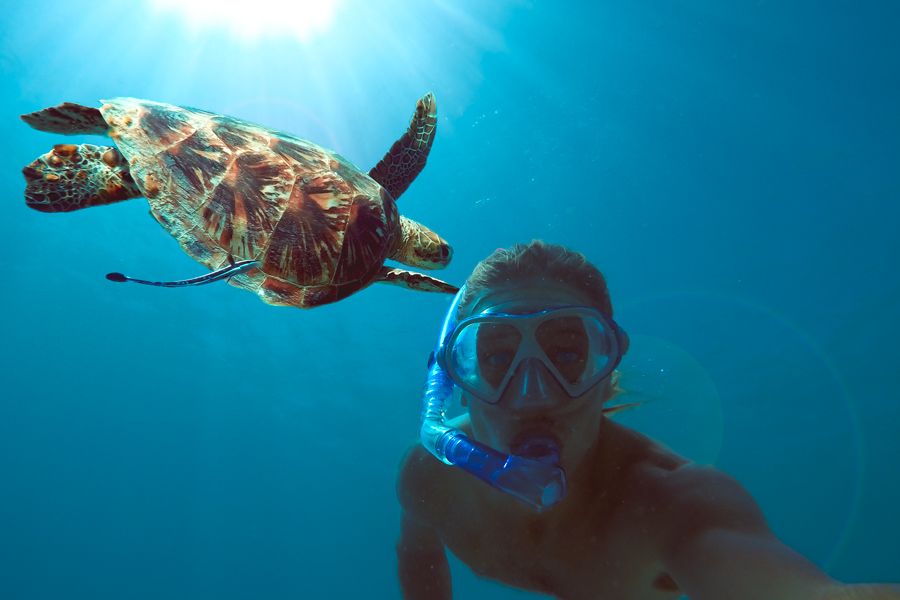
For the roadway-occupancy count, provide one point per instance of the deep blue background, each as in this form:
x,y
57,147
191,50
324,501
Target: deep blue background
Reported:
x,y
731,167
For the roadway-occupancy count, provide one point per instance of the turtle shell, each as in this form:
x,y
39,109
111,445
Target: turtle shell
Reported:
x,y
319,227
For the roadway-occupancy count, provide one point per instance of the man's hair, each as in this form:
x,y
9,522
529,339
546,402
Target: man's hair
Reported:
x,y
537,261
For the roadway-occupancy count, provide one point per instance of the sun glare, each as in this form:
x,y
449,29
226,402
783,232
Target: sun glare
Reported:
x,y
251,19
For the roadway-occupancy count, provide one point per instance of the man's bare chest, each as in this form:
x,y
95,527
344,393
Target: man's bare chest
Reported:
x,y
571,563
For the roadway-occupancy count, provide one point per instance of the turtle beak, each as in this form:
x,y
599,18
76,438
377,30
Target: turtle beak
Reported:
x,y
438,256
31,174
446,254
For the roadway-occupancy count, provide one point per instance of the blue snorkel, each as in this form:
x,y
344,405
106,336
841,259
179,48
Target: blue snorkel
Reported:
x,y
533,475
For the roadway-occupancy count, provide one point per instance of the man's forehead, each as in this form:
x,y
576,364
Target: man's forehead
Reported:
x,y
529,296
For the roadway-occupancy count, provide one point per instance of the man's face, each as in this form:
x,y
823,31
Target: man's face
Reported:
x,y
533,399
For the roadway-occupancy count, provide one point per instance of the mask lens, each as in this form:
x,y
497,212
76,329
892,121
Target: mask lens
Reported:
x,y
580,347
565,342
482,355
497,344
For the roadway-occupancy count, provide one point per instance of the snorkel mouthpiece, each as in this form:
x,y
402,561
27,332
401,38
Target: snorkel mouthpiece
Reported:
x,y
531,474
537,482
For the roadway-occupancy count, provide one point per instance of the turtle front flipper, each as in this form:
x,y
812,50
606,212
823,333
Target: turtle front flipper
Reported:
x,y
69,119
414,281
70,177
407,156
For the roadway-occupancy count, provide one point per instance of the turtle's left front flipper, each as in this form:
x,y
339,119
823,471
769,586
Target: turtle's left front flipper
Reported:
x,y
407,156
414,281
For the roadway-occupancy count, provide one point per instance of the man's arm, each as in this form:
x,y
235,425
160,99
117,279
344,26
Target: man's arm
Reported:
x,y
719,564
422,563
720,548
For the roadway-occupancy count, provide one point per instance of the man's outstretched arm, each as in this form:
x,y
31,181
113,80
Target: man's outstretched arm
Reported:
x,y
721,548
719,564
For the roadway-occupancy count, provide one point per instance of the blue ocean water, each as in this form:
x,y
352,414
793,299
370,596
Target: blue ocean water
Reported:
x,y
731,167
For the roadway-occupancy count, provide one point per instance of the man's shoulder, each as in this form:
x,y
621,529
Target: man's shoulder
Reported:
x,y
692,486
419,472
683,496
640,458
688,499
426,487
651,465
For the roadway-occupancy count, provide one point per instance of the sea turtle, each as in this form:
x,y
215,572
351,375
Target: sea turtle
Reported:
x,y
270,212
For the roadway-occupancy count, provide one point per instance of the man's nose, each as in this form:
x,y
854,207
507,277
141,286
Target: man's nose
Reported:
x,y
532,386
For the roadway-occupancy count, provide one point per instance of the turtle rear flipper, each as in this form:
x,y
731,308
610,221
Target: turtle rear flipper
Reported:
x,y
69,119
70,177
414,281
406,158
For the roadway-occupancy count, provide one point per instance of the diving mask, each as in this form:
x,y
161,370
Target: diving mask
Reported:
x,y
578,345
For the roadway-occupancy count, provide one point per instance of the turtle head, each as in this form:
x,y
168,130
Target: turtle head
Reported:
x,y
71,177
419,246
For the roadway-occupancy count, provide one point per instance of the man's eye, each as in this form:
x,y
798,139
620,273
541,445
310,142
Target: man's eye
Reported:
x,y
497,359
567,357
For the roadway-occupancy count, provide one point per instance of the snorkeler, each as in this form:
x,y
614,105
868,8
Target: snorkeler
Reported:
x,y
545,493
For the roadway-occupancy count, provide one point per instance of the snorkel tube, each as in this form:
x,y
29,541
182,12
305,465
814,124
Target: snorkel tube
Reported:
x,y
533,475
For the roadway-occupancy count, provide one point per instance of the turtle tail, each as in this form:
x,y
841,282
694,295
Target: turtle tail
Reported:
x,y
70,177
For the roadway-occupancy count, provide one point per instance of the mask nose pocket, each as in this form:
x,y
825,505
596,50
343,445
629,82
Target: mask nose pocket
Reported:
x,y
533,385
